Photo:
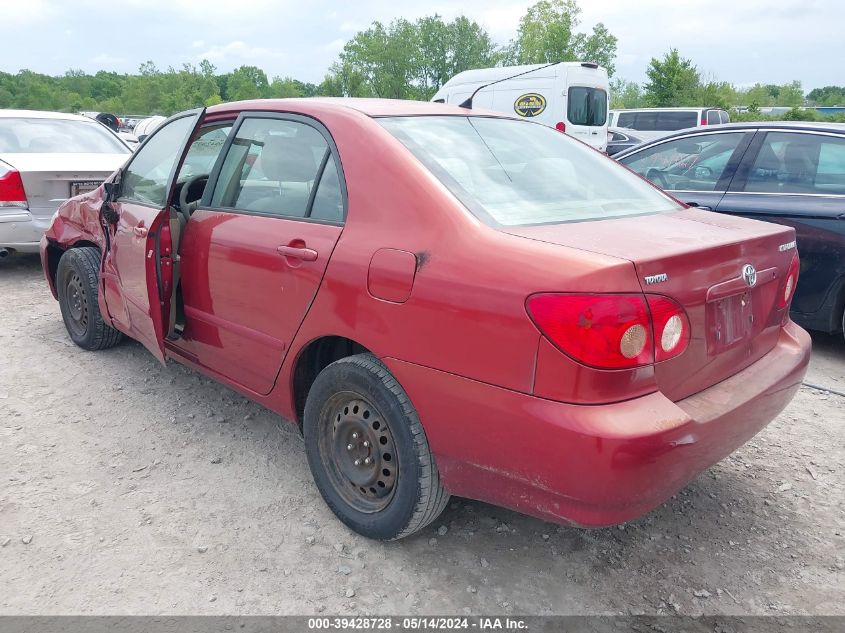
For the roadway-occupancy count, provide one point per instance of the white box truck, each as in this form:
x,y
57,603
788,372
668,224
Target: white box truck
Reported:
x,y
569,96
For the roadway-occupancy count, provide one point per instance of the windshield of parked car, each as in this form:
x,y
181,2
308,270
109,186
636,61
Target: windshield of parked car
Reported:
x,y
516,173
57,136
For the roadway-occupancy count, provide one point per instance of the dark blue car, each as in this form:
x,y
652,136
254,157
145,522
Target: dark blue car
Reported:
x,y
785,172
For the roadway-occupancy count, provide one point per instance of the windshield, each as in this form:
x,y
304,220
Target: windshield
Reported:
x,y
516,173
57,136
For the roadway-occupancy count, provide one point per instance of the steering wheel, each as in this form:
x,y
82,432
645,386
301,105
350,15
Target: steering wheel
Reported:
x,y
655,175
185,206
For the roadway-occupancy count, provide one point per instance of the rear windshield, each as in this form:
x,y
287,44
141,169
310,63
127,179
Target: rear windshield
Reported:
x,y
516,173
57,136
657,120
586,106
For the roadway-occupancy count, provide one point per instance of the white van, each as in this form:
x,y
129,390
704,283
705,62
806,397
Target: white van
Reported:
x,y
569,96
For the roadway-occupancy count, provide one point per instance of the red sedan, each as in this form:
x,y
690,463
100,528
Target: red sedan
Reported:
x,y
446,301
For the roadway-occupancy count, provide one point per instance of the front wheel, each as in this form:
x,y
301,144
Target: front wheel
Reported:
x,y
368,452
77,285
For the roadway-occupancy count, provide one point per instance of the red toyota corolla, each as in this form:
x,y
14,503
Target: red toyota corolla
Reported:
x,y
446,301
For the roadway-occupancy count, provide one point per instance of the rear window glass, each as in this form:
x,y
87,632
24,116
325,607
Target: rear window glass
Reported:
x,y
586,106
669,121
57,136
516,173
658,120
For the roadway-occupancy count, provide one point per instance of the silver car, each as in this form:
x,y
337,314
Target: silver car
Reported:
x,y
45,158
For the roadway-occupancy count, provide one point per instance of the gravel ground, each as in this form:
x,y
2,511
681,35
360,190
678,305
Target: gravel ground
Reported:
x,y
129,488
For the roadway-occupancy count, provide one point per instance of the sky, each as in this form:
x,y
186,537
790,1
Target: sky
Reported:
x,y
739,41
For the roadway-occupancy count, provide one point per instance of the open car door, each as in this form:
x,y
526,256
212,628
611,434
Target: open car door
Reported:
x,y
138,266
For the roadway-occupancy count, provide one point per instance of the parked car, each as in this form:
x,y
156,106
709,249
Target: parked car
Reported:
x,y
145,127
417,287
112,122
621,139
654,123
785,172
45,158
568,96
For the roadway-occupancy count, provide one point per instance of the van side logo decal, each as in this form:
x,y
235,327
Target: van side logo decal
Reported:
x,y
529,105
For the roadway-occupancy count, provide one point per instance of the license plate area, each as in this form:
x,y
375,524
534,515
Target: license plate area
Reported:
x,y
732,321
83,186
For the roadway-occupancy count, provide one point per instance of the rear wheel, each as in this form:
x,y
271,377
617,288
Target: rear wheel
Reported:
x,y
368,452
77,285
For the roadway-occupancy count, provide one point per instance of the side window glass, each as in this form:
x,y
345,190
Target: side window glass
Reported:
x,y
145,179
830,177
328,201
713,117
625,119
726,118
203,152
271,168
695,163
798,163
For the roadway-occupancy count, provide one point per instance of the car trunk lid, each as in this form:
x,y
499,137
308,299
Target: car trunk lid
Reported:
x,y
697,258
50,179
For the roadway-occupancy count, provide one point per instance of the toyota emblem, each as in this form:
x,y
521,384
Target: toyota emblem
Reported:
x,y
749,274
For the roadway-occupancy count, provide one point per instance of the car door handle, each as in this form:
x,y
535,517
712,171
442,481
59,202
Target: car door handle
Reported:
x,y
140,231
298,252
703,207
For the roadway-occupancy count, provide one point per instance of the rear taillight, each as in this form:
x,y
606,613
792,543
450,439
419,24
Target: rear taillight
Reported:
x,y
670,325
560,126
612,331
790,282
12,193
703,118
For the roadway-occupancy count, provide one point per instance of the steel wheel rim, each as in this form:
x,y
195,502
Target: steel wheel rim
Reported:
x,y
77,306
358,449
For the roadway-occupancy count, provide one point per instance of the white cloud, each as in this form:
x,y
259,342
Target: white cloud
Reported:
x,y
772,41
28,12
105,59
238,50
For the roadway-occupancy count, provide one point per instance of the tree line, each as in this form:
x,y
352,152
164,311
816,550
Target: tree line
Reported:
x,y
403,60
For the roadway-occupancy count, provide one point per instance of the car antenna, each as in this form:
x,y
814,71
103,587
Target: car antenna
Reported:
x,y
467,103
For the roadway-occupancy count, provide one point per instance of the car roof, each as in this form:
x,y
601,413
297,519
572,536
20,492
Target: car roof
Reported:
x,y
805,126
41,114
680,109
820,126
813,126
369,107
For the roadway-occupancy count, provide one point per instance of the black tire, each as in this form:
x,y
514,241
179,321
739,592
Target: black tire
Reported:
x,y
77,284
407,494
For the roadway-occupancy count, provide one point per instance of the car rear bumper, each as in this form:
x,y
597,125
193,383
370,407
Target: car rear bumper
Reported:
x,y
22,231
594,466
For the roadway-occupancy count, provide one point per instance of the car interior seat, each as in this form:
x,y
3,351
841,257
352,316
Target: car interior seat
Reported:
x,y
799,165
766,172
288,161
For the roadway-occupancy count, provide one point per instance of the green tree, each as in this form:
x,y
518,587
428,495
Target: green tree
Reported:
x,y
625,94
672,81
408,60
246,82
385,57
547,34
827,96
